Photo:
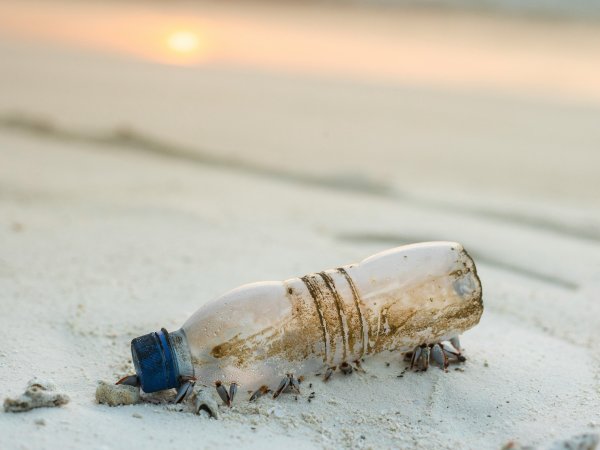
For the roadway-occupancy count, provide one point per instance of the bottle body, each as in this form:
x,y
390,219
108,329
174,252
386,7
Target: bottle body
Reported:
x,y
395,300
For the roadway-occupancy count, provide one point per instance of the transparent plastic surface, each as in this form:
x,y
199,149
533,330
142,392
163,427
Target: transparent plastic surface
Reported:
x,y
392,301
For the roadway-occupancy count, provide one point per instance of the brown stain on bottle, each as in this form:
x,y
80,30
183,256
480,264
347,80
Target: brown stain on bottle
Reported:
x,y
315,294
363,324
318,312
339,306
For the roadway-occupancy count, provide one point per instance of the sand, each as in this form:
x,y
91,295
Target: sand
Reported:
x,y
124,207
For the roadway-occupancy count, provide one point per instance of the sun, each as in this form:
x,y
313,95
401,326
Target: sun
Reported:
x,y
183,46
183,42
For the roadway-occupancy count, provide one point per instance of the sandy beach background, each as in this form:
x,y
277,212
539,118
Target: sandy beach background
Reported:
x,y
154,156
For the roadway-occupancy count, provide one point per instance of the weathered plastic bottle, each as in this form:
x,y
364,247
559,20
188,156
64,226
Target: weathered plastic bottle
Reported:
x,y
395,300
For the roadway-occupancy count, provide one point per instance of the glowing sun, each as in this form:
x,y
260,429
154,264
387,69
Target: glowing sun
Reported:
x,y
183,42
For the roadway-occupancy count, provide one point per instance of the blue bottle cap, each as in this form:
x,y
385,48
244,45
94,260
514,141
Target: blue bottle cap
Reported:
x,y
154,361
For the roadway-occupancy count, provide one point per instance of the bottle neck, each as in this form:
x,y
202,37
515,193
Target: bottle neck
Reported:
x,y
162,360
181,352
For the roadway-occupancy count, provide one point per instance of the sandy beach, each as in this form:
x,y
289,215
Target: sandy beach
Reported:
x,y
134,190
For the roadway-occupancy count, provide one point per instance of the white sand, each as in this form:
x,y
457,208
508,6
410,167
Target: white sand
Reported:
x,y
103,237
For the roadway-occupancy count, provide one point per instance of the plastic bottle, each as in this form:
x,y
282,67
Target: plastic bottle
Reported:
x,y
393,301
